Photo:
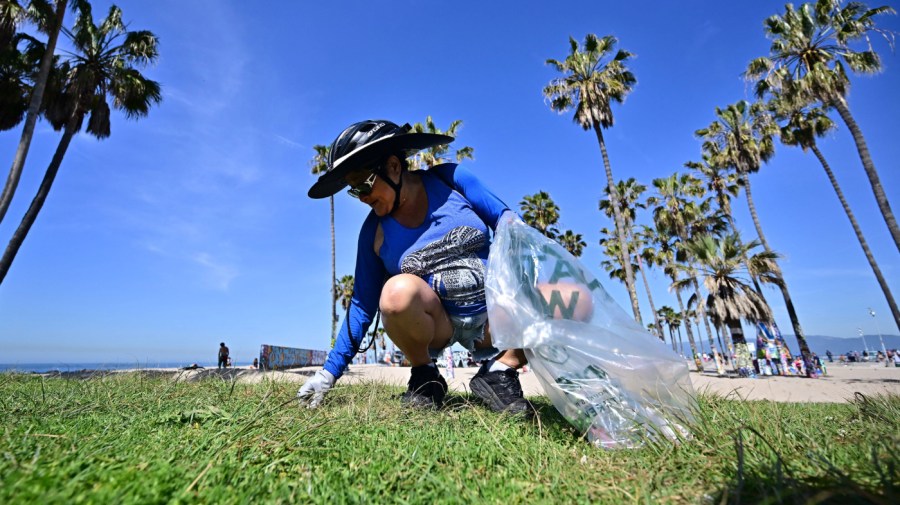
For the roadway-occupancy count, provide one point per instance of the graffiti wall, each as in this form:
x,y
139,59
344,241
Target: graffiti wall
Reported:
x,y
273,357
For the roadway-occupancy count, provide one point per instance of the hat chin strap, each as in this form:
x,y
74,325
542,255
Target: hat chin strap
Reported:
x,y
395,186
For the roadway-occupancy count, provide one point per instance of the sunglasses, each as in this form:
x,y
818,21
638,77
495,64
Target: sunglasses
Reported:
x,y
363,188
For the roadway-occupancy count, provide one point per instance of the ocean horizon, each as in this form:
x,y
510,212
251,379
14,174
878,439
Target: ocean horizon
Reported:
x,y
75,367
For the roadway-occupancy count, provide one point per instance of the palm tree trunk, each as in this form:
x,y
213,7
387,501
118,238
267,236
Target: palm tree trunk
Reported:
x,y
334,318
696,320
729,345
789,304
841,105
737,332
690,334
649,295
620,228
37,96
859,236
38,202
712,345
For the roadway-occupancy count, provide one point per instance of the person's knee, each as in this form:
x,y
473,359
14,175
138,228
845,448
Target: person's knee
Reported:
x,y
400,294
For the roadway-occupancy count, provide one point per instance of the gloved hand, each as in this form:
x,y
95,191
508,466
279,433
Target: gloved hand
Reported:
x,y
313,391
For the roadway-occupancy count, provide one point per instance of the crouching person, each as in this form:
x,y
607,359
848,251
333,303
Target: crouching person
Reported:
x,y
421,260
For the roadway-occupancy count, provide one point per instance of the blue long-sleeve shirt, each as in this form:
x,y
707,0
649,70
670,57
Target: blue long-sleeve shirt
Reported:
x,y
448,250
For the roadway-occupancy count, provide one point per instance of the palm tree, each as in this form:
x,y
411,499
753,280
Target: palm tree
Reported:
x,y
51,23
541,213
721,263
675,321
666,315
630,193
676,218
343,293
572,242
810,47
319,164
666,257
802,125
589,86
437,154
102,67
18,68
647,257
724,185
743,138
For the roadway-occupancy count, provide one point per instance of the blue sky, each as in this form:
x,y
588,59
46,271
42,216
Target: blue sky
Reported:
x,y
192,226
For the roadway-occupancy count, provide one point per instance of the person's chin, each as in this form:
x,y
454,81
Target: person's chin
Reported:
x,y
379,209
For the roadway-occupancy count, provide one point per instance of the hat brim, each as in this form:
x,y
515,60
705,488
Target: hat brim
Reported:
x,y
333,181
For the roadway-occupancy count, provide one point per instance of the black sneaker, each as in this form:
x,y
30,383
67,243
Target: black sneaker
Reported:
x,y
426,388
501,391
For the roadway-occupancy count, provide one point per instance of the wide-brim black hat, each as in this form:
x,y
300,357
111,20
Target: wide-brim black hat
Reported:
x,y
364,156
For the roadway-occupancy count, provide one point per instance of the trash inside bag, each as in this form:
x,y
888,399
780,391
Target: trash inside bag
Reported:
x,y
611,379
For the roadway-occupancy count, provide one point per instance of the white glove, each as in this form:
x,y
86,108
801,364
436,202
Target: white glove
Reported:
x,y
314,389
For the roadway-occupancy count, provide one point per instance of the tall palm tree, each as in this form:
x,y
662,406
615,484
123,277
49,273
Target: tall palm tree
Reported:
x,y
666,314
630,192
720,182
720,261
19,63
664,255
572,242
344,291
343,294
436,155
612,251
742,138
724,185
810,47
676,215
647,256
50,21
541,213
589,85
801,126
103,66
319,164
675,321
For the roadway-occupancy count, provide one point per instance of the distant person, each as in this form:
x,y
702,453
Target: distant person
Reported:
x,y
255,363
830,356
421,258
223,355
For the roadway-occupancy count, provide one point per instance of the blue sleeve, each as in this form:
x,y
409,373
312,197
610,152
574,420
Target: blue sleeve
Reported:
x,y
486,204
368,281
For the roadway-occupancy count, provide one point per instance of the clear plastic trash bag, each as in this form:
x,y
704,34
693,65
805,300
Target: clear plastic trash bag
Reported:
x,y
611,379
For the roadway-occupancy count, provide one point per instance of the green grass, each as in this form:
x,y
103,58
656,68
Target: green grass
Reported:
x,y
139,438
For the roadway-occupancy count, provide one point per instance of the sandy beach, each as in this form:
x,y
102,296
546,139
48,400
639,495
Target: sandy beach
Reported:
x,y
840,385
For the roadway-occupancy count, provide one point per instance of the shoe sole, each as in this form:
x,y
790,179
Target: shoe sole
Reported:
x,y
484,392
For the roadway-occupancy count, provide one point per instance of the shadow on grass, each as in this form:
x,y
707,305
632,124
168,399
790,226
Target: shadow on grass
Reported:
x,y
772,476
773,484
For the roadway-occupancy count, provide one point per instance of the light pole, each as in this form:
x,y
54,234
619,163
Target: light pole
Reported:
x,y
865,345
878,329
